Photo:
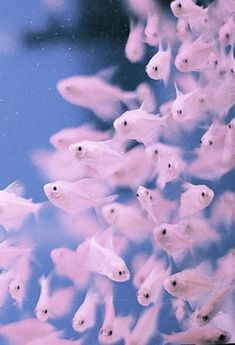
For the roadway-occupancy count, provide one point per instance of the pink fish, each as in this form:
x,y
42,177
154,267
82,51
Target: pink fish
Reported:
x,y
135,47
67,136
52,305
146,95
226,33
225,271
151,31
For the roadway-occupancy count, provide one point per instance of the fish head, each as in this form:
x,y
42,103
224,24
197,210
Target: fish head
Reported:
x,y
106,334
54,191
177,112
172,167
59,141
161,234
123,124
153,69
206,142
178,8
225,35
79,150
204,195
151,31
152,153
217,336
70,88
110,213
120,273
143,296
182,63
16,289
202,317
42,312
144,195
231,126
173,285
79,323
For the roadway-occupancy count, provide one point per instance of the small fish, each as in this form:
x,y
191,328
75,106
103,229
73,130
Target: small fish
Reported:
x,y
94,93
142,267
145,327
139,125
186,10
195,198
158,67
157,207
179,309
135,47
214,138
105,261
151,31
52,305
97,155
199,336
14,209
193,56
215,304
67,136
226,32
77,196
188,284
85,316
152,288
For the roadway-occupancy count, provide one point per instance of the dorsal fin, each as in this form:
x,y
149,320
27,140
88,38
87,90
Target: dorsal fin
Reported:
x,y
187,186
178,92
107,73
16,188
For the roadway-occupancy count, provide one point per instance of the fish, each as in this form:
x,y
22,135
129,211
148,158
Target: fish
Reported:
x,y
158,208
105,261
147,97
85,316
95,93
179,309
152,288
186,10
158,67
135,47
139,125
97,155
77,196
23,331
215,304
195,198
214,138
223,211
14,209
10,252
142,267
151,31
201,336
226,32
67,136
145,328
52,305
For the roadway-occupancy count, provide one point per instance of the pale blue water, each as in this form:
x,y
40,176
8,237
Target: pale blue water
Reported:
x,y
31,110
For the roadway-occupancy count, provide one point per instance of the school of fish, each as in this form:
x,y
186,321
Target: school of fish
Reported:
x,y
171,205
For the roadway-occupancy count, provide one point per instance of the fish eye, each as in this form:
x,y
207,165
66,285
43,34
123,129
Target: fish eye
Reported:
x,y
156,152
17,287
222,337
112,210
146,295
169,165
155,68
120,273
125,123
81,322
45,311
232,71
110,333
179,5
210,142
137,194
229,126
205,317
173,283
227,35
216,62
79,148
203,194
185,61
179,111
164,231
54,188
200,141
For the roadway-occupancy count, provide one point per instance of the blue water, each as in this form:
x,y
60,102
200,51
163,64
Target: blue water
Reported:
x,y
32,110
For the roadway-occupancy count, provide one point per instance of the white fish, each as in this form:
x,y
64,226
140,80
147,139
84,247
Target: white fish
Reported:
x,y
94,93
158,67
139,125
135,47
226,32
214,138
215,304
199,336
157,151
195,198
152,288
14,209
52,305
105,261
97,155
77,196
85,316
157,207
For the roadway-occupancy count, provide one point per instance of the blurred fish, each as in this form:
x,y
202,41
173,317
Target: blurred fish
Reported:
x,y
225,270
135,47
223,211
226,32
142,267
146,95
151,31
179,309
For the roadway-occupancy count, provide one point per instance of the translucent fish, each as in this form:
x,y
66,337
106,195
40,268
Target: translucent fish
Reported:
x,y
145,327
14,209
77,196
226,32
195,199
52,305
157,207
99,156
186,10
94,93
105,261
139,125
158,68
200,336
85,316
151,31
67,136
135,47
152,288
23,331
215,304
214,138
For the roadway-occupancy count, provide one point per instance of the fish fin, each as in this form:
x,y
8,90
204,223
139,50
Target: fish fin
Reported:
x,y
178,92
186,186
107,73
16,188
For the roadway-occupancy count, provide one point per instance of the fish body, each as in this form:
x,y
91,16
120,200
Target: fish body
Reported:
x,y
135,48
158,67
